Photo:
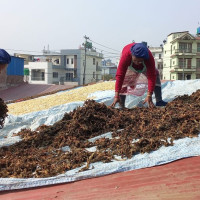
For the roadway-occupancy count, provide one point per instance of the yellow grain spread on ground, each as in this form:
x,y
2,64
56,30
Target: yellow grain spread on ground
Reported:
x,y
79,94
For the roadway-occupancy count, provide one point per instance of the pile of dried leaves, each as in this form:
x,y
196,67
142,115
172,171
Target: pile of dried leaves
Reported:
x,y
41,154
3,112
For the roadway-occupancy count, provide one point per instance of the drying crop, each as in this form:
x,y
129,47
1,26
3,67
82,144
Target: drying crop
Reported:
x,y
3,112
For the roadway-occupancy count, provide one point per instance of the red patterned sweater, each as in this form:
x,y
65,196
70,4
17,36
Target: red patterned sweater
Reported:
x,y
125,62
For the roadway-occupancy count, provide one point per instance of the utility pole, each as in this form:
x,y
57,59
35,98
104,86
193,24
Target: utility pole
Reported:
x,y
86,38
183,65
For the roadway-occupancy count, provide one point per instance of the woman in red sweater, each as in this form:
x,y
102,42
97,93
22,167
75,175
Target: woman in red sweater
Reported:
x,y
137,69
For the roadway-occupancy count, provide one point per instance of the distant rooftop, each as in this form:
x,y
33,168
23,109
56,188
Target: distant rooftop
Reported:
x,y
178,32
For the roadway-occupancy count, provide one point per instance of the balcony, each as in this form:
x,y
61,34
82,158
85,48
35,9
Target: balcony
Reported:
x,y
58,67
95,54
70,69
159,60
178,68
184,52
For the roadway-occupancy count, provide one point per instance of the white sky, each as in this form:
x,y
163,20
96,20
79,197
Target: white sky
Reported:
x,y
32,24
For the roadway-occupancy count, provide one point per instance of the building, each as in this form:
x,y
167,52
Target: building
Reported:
x,y
27,58
74,66
84,66
14,74
181,59
109,69
157,53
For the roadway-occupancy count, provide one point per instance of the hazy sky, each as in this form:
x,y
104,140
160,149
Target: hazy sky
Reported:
x,y
32,24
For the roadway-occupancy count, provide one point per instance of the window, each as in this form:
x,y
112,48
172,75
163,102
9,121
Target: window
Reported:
x,y
75,73
72,61
160,66
197,76
198,47
42,76
93,61
188,77
198,63
67,60
159,56
55,74
189,63
56,61
180,76
172,77
69,76
185,63
181,63
185,47
93,74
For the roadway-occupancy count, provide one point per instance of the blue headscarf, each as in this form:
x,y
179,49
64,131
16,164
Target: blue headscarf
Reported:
x,y
4,57
139,50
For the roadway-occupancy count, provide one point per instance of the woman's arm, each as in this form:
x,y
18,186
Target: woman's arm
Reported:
x,y
125,61
151,72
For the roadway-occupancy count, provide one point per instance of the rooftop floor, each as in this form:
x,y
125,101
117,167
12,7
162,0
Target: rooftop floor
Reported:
x,y
28,90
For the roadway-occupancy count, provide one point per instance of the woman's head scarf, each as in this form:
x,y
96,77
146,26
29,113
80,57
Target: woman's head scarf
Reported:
x,y
140,50
4,57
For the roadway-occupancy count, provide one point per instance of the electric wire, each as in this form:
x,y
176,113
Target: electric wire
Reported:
x,y
104,46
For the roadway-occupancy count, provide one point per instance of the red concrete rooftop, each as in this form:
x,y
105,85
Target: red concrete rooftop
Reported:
x,y
28,90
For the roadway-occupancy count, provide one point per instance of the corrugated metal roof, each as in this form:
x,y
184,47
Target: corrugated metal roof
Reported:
x,y
16,67
179,180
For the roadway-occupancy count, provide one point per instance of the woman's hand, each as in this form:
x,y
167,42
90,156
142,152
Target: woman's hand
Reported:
x,y
148,100
116,100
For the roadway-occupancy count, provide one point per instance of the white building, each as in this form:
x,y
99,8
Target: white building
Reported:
x,y
158,57
181,56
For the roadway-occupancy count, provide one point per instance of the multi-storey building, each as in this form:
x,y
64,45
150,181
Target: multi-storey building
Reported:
x,y
157,53
84,66
109,68
77,66
181,59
